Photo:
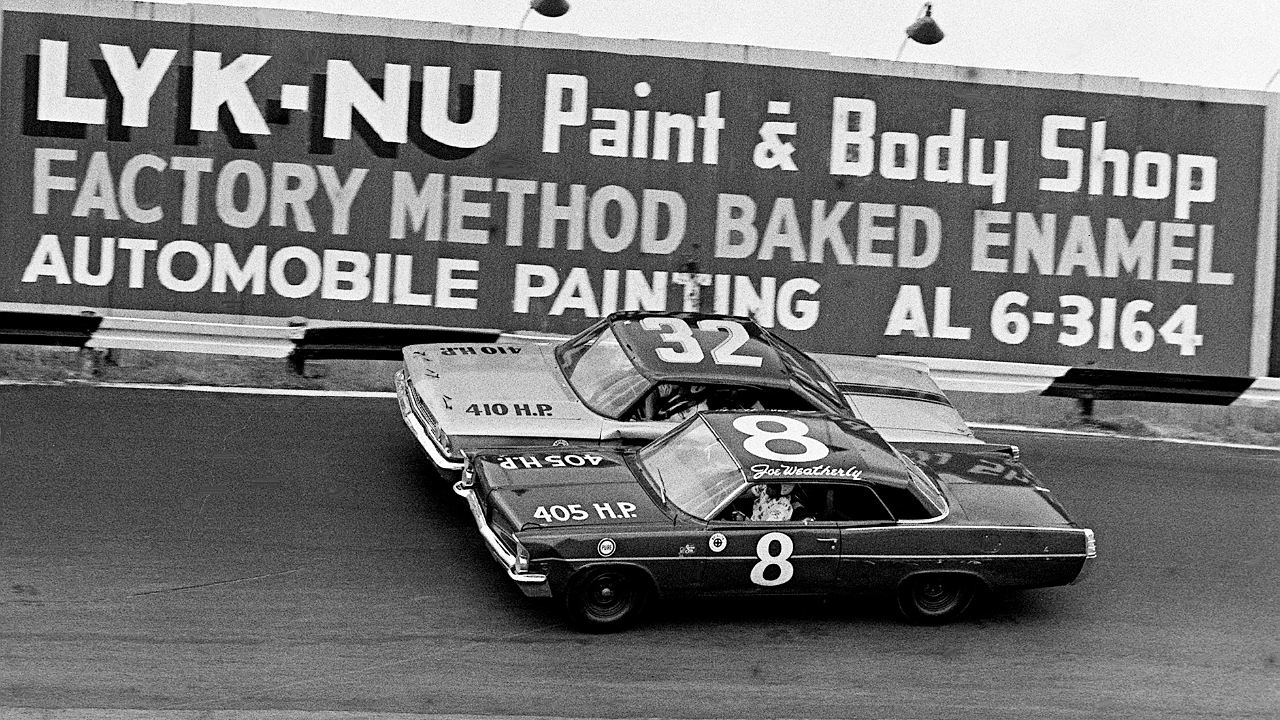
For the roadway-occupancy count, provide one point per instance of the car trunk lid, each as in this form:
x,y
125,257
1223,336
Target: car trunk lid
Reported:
x,y
992,488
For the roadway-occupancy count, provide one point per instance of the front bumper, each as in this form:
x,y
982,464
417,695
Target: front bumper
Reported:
x,y
420,433
531,584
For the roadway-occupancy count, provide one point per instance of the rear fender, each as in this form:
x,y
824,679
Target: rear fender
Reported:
x,y
631,567
980,581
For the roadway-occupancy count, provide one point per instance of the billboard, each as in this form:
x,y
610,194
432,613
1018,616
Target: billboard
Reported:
x,y
212,160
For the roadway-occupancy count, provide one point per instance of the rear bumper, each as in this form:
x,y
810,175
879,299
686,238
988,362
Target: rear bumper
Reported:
x,y
419,430
531,584
1086,570
1090,557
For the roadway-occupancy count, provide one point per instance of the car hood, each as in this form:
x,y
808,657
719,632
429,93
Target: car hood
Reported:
x,y
502,390
990,487
575,487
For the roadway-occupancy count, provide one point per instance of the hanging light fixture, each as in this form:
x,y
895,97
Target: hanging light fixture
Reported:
x,y
550,8
924,30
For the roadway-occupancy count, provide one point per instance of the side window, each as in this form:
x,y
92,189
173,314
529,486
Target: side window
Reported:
x,y
784,400
671,401
773,502
754,398
903,504
853,503
677,401
742,506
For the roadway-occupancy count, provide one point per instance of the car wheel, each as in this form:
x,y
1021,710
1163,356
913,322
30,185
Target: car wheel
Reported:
x,y
606,599
935,599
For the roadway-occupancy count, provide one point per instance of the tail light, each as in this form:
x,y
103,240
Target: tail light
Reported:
x,y
522,558
1090,545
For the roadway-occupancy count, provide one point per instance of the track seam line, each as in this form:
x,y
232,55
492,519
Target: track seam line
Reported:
x,y
299,392
215,584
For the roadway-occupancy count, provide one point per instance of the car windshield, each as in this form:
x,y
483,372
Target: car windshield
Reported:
x,y
601,373
694,471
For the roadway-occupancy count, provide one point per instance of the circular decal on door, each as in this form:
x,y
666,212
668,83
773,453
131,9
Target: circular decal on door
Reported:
x,y
718,542
606,547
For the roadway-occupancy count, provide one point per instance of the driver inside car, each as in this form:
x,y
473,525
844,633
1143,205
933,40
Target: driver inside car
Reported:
x,y
774,502
679,402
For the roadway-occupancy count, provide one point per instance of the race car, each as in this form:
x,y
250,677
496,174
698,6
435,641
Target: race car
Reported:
x,y
752,503
626,379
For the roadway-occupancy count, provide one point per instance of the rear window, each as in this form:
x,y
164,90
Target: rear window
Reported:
x,y
901,413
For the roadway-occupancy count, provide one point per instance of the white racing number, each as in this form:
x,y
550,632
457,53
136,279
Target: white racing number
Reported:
x,y
688,351
769,559
758,439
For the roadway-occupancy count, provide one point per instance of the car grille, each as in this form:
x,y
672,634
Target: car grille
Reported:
x,y
420,408
502,527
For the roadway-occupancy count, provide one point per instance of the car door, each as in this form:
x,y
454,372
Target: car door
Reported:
x,y
870,539
771,557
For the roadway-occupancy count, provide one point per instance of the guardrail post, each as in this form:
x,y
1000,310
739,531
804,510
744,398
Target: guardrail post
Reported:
x,y
297,361
1086,408
90,358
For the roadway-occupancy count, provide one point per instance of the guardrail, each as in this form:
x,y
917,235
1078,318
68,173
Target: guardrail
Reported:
x,y
298,340
130,333
362,342
31,328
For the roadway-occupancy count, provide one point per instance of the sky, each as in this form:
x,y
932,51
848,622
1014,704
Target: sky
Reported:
x,y
1214,43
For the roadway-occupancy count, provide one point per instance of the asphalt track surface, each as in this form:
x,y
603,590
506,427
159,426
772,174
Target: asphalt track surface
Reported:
x,y
187,552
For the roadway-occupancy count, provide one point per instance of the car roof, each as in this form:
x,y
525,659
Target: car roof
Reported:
x,y
642,345
855,451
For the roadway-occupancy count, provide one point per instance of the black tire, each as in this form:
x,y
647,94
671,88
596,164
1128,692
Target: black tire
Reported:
x,y
936,599
606,599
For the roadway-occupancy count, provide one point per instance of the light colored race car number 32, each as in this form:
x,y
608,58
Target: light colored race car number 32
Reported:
x,y
687,350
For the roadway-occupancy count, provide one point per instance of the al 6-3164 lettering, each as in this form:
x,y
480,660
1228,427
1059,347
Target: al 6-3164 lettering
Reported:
x,y
1106,323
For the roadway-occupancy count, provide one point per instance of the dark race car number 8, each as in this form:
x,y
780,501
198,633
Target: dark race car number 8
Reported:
x,y
757,443
768,559
688,351
793,430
